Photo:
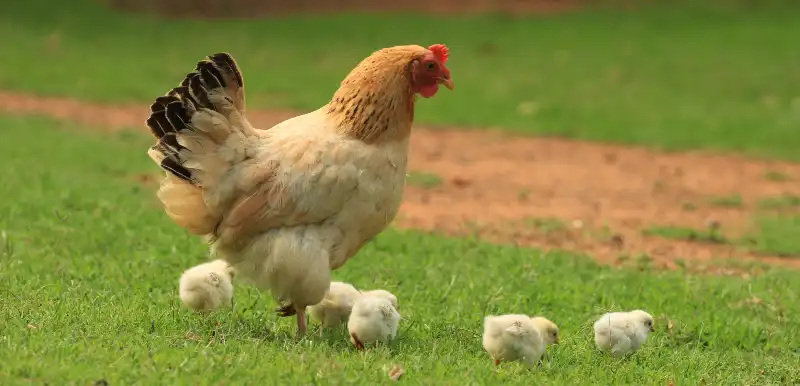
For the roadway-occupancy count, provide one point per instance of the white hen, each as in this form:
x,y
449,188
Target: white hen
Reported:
x,y
516,337
335,307
622,333
207,286
374,319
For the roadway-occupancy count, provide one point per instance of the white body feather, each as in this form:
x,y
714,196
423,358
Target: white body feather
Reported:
x,y
358,186
621,333
207,286
513,337
335,307
384,294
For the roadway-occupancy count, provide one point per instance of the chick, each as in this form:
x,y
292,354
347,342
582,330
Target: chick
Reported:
x,y
516,337
335,307
207,286
374,318
622,333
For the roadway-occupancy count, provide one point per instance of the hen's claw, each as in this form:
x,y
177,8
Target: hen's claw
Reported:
x,y
287,310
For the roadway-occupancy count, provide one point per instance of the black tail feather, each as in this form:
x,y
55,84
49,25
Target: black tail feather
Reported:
x,y
210,75
172,113
226,62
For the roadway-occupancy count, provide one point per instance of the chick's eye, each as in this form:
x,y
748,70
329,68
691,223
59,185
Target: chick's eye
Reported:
x,y
430,66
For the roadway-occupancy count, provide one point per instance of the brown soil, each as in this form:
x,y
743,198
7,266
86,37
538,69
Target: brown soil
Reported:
x,y
499,186
261,8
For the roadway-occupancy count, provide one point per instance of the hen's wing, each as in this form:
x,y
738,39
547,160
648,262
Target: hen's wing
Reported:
x,y
223,175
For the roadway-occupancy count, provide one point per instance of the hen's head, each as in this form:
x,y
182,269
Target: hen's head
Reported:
x,y
376,100
428,71
414,69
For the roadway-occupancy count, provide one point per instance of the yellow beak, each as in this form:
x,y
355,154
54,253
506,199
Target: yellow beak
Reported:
x,y
447,82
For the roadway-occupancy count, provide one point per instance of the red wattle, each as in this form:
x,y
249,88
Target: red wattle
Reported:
x,y
428,91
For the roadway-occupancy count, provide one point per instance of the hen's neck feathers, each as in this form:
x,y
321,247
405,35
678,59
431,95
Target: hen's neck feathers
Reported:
x,y
375,102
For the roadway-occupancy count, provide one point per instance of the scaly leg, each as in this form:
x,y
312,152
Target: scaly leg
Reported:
x,y
289,310
496,362
301,323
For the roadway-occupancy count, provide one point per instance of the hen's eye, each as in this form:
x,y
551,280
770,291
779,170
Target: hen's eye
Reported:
x,y
430,66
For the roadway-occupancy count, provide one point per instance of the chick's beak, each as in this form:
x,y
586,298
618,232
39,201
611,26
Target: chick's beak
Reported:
x,y
447,81
652,328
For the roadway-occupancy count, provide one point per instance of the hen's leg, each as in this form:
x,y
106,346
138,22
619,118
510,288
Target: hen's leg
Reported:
x,y
301,323
289,310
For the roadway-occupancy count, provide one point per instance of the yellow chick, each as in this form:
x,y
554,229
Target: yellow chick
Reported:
x,y
516,337
207,286
374,318
335,307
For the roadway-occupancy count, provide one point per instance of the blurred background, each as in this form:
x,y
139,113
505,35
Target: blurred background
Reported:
x,y
607,126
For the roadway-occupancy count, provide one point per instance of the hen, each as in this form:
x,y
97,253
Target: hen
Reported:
x,y
286,205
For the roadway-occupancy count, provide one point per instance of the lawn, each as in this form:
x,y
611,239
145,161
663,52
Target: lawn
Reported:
x,y
676,78
89,267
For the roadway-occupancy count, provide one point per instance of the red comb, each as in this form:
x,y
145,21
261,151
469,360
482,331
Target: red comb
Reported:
x,y
440,51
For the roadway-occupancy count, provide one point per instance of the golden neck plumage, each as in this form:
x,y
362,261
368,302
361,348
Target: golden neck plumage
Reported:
x,y
374,108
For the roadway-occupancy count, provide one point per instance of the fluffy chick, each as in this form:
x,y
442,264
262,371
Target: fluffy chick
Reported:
x,y
622,333
374,318
335,307
516,337
207,286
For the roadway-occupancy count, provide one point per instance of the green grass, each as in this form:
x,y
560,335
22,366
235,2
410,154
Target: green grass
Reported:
x,y
423,179
783,202
672,77
776,176
546,224
777,236
773,235
732,201
686,234
90,261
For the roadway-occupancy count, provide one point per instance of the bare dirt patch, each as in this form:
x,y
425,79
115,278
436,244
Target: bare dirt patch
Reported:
x,y
544,192
260,8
